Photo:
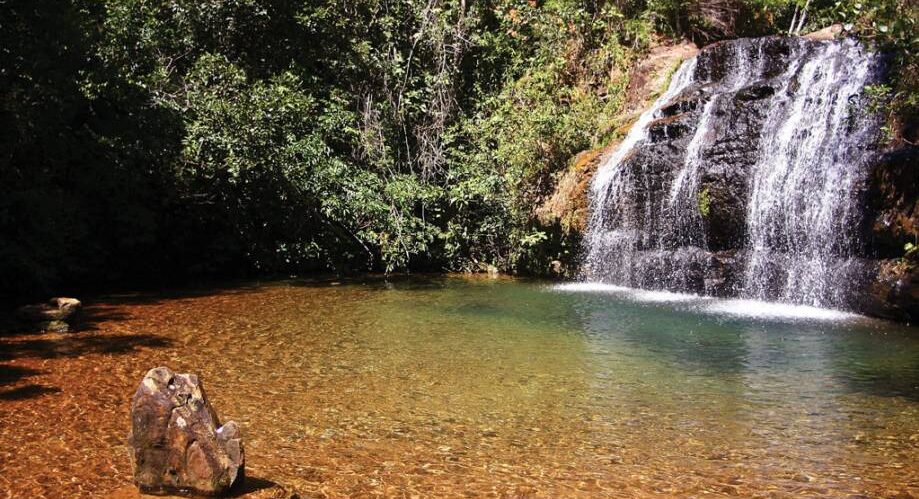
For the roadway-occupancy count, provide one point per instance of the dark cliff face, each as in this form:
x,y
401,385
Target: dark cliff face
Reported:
x,y
680,214
893,201
892,227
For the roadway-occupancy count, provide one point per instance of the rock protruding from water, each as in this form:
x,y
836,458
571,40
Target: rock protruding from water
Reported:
x,y
57,314
176,440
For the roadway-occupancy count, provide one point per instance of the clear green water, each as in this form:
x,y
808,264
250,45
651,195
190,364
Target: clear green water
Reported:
x,y
447,386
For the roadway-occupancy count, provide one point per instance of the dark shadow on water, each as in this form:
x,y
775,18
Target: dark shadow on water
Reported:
x,y
74,345
66,345
885,385
9,326
88,319
154,297
94,306
251,485
885,372
27,392
402,282
11,374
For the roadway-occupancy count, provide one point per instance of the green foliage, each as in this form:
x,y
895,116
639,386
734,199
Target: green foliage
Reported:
x,y
558,99
910,250
892,26
705,202
155,140
709,20
878,95
86,162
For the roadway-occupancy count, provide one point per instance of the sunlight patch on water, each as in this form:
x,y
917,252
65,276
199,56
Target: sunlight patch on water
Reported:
x,y
773,310
753,309
635,294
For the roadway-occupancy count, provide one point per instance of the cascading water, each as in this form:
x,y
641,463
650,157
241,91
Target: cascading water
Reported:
x,y
745,178
609,237
804,204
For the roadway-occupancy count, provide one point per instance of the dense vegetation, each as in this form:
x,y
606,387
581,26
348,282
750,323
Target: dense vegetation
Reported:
x,y
149,140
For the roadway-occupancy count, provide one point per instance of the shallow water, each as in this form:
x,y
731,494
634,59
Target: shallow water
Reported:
x,y
468,386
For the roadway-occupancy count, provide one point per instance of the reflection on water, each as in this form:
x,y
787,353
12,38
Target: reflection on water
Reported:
x,y
448,386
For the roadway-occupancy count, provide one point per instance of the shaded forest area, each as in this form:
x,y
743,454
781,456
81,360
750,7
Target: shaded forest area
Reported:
x,y
144,142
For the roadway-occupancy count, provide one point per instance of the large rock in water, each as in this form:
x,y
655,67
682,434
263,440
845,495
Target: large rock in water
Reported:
x,y
177,442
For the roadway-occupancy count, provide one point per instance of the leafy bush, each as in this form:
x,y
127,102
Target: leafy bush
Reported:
x,y
166,139
892,26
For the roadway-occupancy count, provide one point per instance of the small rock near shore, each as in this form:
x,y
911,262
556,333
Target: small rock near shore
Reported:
x,y
57,314
177,443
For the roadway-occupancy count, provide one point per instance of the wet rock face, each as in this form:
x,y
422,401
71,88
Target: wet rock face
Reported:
x,y
894,294
176,440
893,225
894,202
733,110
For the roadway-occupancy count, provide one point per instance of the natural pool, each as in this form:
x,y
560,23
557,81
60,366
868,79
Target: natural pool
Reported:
x,y
470,386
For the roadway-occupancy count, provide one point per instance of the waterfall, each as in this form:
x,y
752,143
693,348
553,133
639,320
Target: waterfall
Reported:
x,y
744,178
608,185
605,175
804,204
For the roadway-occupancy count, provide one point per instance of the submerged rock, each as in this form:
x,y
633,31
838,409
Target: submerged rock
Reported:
x,y
177,443
57,314
54,326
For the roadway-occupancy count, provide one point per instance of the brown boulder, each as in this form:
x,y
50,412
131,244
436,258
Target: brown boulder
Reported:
x,y
177,443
